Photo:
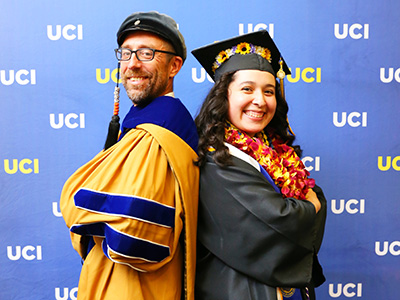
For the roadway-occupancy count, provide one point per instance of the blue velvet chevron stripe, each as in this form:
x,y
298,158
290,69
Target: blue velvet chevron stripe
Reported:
x,y
126,206
123,244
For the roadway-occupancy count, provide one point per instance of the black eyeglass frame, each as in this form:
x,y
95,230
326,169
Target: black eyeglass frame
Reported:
x,y
136,51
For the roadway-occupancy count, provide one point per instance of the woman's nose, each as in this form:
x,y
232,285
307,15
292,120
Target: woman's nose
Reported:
x,y
259,98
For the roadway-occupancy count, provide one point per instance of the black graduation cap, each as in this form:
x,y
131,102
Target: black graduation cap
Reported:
x,y
252,51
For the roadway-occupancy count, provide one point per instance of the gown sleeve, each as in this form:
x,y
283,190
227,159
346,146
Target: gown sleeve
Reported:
x,y
126,196
250,228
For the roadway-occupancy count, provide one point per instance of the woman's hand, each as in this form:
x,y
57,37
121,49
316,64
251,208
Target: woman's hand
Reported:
x,y
312,197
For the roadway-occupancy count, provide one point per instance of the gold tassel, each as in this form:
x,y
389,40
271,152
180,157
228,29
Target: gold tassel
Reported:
x,y
281,75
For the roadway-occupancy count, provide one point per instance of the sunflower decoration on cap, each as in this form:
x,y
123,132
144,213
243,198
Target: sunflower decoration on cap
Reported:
x,y
243,49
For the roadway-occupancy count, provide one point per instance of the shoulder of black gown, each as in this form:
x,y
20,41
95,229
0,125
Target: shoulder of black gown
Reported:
x,y
167,112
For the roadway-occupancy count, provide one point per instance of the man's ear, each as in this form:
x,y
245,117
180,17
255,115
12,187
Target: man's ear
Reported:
x,y
175,65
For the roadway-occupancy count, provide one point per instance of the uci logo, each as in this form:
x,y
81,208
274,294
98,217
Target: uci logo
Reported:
x,y
68,32
351,206
107,75
28,252
73,294
389,77
21,166
22,77
257,27
316,161
350,119
303,74
67,120
56,210
356,31
387,248
203,74
394,163
349,290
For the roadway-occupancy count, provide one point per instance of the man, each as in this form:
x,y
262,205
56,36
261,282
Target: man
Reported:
x,y
132,209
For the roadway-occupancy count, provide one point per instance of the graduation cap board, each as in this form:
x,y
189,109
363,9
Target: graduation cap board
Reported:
x,y
252,51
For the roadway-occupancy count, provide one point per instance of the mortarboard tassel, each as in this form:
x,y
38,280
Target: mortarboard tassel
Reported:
x,y
281,75
113,127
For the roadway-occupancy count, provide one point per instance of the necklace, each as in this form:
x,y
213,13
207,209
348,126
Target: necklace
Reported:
x,y
278,159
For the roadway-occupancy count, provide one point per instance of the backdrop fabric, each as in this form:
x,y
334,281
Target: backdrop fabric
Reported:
x,y
57,77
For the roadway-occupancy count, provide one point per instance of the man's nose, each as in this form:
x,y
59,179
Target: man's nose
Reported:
x,y
134,62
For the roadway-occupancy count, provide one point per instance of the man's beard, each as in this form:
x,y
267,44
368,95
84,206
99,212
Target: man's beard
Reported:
x,y
143,94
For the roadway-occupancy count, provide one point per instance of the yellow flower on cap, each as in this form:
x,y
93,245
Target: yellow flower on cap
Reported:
x,y
222,56
264,52
243,48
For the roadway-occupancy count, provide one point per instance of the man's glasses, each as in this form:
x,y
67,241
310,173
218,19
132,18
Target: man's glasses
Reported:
x,y
142,54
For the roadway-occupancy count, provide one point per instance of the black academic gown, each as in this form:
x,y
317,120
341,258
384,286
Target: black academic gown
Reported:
x,y
250,239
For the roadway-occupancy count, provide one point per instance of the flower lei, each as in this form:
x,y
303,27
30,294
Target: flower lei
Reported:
x,y
280,161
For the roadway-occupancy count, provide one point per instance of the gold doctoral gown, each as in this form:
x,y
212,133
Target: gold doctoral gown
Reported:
x,y
137,201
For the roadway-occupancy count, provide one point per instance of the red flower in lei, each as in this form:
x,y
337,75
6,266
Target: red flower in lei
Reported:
x,y
280,161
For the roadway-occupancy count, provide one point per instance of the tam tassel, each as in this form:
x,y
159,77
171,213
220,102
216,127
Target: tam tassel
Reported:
x,y
113,127
281,75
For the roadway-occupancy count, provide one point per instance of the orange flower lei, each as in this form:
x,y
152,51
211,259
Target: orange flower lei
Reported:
x,y
280,161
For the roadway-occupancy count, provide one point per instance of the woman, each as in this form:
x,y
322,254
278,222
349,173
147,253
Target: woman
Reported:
x,y
261,219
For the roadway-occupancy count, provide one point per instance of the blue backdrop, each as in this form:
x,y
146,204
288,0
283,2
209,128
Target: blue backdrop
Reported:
x,y
57,74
